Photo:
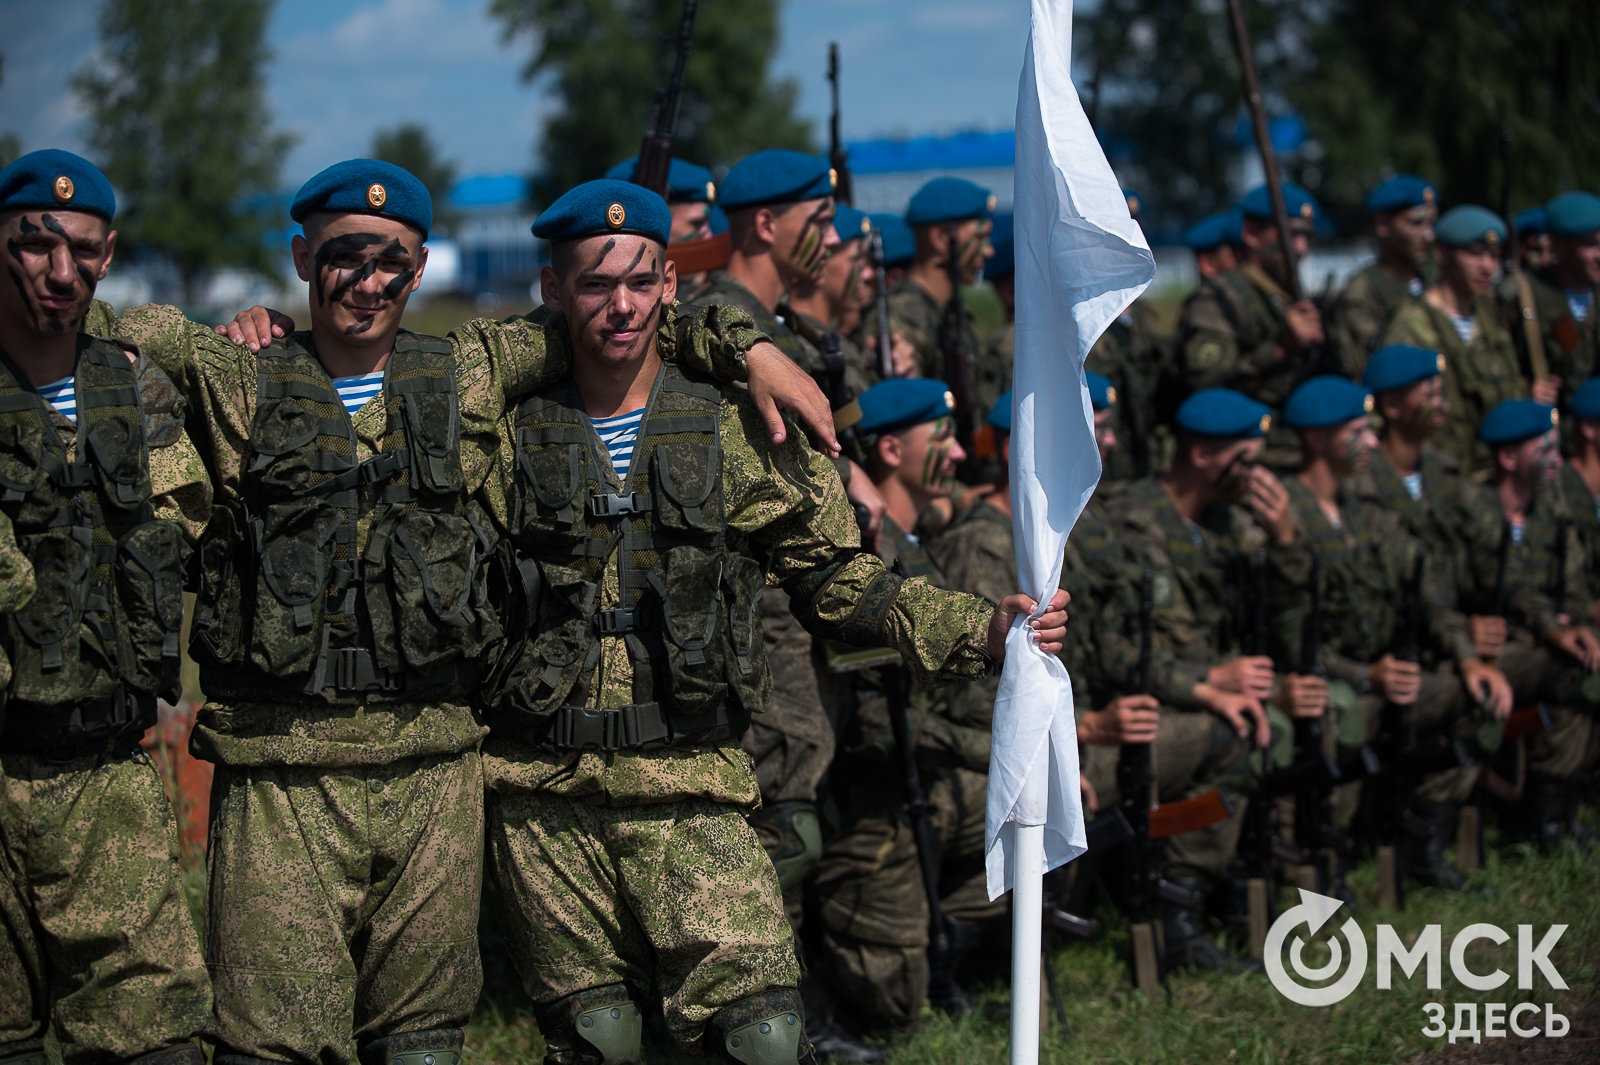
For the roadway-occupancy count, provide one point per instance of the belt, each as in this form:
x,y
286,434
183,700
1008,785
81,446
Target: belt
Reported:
x,y
637,726
84,729
350,671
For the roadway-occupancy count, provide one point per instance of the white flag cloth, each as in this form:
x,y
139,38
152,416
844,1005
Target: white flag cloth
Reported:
x,y
1081,260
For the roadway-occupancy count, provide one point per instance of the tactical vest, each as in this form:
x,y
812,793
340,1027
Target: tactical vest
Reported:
x,y
295,605
689,609
98,643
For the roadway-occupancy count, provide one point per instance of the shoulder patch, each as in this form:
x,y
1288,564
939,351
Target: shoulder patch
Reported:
x,y
1206,354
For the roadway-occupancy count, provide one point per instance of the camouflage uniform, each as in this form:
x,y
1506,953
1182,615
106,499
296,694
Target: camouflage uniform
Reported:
x,y
16,588
660,888
1477,375
1130,354
1358,316
916,316
1584,508
99,951
1571,347
1228,336
993,367
346,839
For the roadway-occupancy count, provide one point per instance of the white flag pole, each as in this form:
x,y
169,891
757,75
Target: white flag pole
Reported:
x,y
1027,913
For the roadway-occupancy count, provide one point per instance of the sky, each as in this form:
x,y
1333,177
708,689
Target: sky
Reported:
x,y
909,68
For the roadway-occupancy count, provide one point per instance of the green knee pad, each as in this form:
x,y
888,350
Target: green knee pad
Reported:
x,y
438,1046
615,1031
601,1020
765,1029
801,830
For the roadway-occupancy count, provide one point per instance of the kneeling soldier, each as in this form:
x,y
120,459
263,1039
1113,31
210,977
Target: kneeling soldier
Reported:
x,y
619,793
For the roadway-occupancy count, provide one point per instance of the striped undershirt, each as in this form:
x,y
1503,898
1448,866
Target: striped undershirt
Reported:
x,y
62,396
355,391
618,435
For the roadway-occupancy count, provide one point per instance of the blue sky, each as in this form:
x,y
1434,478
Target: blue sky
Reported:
x,y
909,68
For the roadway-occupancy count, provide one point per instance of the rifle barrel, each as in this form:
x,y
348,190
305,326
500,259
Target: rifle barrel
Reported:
x,y
1263,137
655,152
880,301
838,158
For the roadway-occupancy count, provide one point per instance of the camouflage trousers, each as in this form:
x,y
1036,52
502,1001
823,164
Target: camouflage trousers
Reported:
x,y
957,808
1194,752
97,945
343,905
677,900
1572,743
792,740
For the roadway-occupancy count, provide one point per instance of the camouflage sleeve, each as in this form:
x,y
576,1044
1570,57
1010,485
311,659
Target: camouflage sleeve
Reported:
x,y
1410,325
787,502
179,479
16,572
165,337
1209,345
943,741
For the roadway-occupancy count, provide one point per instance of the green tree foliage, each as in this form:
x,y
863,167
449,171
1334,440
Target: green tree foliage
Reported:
x,y
409,146
1425,86
10,143
179,122
604,59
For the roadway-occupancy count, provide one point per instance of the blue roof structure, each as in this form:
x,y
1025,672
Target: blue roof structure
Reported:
x,y
489,190
961,151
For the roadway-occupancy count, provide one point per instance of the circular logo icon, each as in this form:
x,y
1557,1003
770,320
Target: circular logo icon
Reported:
x,y
377,195
63,189
615,216
1314,911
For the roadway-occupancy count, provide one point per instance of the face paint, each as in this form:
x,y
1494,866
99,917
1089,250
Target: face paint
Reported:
x,y
809,253
1357,451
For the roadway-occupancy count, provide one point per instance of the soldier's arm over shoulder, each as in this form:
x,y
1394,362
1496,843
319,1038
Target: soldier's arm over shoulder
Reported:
x,y
787,502
164,336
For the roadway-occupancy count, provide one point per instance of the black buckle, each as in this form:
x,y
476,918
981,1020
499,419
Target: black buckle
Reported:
x,y
355,671
612,504
587,728
382,467
619,621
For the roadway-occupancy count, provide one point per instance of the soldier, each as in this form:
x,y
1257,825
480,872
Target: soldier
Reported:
x,y
1191,529
99,953
343,627
1564,294
1403,211
622,859
1216,242
833,301
993,364
691,194
1580,483
899,246
1456,317
1533,240
1547,656
1131,356
950,217
1241,330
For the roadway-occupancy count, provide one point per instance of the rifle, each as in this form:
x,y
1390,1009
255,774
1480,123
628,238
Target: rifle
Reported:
x,y
1134,785
1314,769
1515,279
880,303
1258,844
1263,138
655,153
1393,744
838,158
1558,579
958,372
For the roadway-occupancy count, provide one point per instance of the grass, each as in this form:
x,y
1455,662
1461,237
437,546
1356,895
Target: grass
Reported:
x,y
1240,1018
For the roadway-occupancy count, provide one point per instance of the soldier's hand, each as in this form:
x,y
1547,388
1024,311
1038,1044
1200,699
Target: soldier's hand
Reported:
x,y
1091,801
1302,696
1395,680
1270,500
256,327
1546,390
1488,634
1488,686
1049,628
1246,675
1245,713
863,492
1580,642
776,382
1126,719
1302,327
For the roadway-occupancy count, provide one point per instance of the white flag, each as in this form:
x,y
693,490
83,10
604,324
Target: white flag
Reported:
x,y
1081,260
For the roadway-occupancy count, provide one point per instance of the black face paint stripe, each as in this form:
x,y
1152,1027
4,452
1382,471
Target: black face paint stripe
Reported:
x,y
341,245
605,251
398,285
636,260
55,227
26,226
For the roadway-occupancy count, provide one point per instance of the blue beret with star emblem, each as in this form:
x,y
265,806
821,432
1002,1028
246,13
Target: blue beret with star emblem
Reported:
x,y
776,175
604,208
686,182
1213,231
1573,214
1469,224
1512,421
850,223
1225,414
366,186
949,199
1257,203
1531,223
52,178
1400,366
899,242
1101,393
1586,400
902,402
1402,192
1326,400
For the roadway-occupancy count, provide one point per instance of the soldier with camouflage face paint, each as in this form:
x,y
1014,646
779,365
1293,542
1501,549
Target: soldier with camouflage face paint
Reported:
x,y
102,494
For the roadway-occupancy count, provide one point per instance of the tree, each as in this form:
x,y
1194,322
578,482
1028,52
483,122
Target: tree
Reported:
x,y
606,58
179,120
409,146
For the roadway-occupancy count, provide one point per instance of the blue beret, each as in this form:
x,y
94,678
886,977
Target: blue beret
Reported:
x,y
1468,224
605,206
58,179
850,223
1514,420
776,175
902,402
1400,366
1573,214
1000,413
1257,203
899,243
1135,202
1004,260
949,199
1400,192
1101,394
1586,400
1531,223
366,186
1213,231
718,219
1224,413
1326,400
686,182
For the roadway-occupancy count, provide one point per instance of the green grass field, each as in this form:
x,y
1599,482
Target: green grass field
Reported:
x,y
1240,1018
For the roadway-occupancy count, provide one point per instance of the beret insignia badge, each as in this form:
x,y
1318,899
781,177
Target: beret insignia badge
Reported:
x,y
1366,404
833,178
993,201
615,216
63,189
1305,210
1266,422
377,196
950,400
1111,394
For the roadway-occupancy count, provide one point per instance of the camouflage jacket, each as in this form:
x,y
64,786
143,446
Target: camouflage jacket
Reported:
x,y
1584,508
16,590
1131,355
1477,375
1550,551
815,332
1571,347
723,288
916,316
1358,316
1203,581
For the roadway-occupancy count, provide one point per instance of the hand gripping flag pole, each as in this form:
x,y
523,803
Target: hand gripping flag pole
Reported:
x,y
1081,261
